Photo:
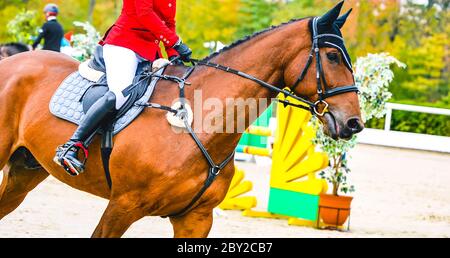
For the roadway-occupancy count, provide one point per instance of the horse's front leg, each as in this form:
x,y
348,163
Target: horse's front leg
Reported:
x,y
117,218
195,224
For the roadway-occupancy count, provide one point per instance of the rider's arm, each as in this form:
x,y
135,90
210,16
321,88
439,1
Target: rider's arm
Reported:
x,y
148,18
171,24
41,35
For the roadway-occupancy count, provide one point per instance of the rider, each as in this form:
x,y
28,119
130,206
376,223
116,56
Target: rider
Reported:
x,y
135,37
52,32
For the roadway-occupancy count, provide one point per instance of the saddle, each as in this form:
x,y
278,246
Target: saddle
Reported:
x,y
81,89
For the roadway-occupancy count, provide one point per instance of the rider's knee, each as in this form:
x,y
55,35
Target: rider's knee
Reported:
x,y
110,96
111,99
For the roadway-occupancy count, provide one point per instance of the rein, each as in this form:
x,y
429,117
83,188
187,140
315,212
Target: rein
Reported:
x,y
258,81
322,91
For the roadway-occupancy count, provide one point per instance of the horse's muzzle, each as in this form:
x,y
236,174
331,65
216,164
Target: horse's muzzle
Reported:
x,y
352,126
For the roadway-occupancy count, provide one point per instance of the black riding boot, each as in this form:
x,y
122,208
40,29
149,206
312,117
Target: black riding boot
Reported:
x,y
67,154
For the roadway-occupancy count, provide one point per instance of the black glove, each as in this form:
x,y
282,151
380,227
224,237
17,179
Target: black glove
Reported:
x,y
175,62
184,51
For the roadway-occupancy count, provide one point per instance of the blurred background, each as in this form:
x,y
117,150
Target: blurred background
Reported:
x,y
413,31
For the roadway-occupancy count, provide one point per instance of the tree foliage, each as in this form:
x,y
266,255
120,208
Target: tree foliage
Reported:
x,y
203,21
23,27
254,15
416,34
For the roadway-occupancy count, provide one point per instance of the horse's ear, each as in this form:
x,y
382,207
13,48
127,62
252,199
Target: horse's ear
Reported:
x,y
331,16
341,20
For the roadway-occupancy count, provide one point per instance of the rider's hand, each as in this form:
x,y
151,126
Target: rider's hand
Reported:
x,y
175,62
184,51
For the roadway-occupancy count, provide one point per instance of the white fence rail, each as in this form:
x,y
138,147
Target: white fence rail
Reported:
x,y
390,138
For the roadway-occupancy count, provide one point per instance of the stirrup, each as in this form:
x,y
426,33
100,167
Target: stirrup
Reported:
x,y
71,165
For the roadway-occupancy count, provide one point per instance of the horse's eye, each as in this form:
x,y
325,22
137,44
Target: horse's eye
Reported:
x,y
333,57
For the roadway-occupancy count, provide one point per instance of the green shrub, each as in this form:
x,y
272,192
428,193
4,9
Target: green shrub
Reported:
x,y
23,27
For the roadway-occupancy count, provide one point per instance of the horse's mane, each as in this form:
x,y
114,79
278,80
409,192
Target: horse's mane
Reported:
x,y
247,38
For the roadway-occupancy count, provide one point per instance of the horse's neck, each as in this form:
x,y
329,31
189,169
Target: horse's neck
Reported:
x,y
259,59
263,57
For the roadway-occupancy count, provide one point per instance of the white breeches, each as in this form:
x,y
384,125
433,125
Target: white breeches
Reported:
x,y
121,65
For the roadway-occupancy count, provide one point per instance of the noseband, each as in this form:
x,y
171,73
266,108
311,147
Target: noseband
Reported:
x,y
323,91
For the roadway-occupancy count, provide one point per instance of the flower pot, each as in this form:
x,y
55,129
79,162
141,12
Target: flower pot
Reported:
x,y
334,210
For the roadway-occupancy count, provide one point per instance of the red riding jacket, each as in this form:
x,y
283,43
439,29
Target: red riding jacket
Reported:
x,y
142,25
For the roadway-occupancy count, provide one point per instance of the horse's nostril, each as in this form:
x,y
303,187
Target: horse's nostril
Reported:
x,y
355,125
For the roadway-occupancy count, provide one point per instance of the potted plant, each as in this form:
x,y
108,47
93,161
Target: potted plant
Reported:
x,y
334,207
373,76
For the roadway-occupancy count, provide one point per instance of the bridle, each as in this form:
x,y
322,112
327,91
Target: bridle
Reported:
x,y
214,168
323,91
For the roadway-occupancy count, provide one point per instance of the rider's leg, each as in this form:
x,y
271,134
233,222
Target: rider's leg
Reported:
x,y
121,64
67,154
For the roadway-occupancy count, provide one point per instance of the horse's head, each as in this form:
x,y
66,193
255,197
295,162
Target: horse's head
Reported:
x,y
10,49
327,78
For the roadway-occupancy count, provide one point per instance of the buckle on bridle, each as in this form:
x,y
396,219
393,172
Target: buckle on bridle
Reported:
x,y
325,109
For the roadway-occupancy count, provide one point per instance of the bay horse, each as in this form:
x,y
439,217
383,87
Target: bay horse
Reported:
x,y
154,171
